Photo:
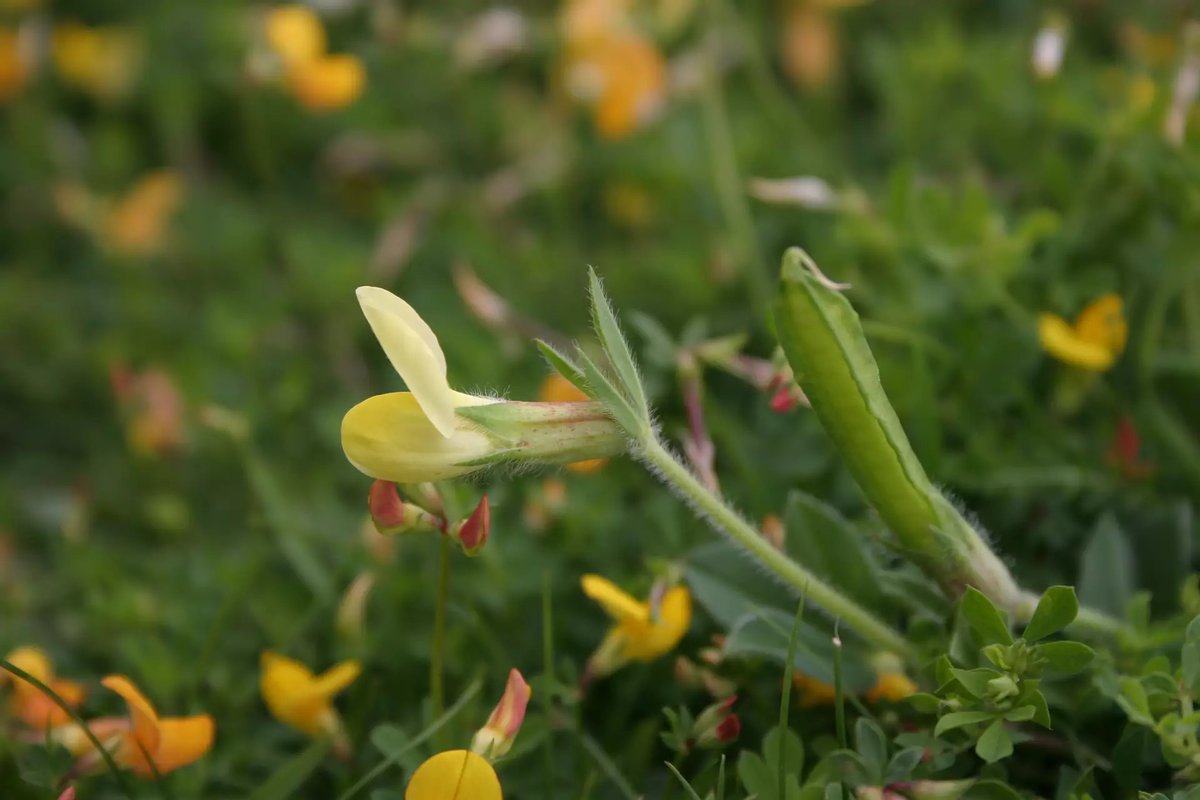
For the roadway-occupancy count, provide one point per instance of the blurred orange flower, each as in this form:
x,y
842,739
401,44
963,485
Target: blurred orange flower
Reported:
x,y
137,224
295,33
100,61
14,67
610,66
144,742
153,407
1094,341
27,702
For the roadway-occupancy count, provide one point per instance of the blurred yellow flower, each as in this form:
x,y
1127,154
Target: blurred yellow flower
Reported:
x,y
557,389
642,631
1094,341
100,61
28,703
137,224
889,686
294,33
301,699
454,775
144,742
14,67
327,83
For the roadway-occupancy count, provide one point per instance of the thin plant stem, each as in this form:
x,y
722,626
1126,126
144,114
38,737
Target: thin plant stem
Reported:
x,y
785,700
437,686
548,671
729,522
728,178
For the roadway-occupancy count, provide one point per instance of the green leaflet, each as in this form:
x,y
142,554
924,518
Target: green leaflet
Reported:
x,y
824,342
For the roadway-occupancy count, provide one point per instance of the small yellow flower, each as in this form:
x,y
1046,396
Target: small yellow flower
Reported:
x,y
557,389
892,687
327,83
623,78
27,702
454,775
146,743
100,61
14,66
294,33
640,632
297,697
1096,339
889,685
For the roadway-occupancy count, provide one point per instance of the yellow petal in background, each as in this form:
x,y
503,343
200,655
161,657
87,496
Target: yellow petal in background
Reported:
x,y
616,603
327,83
295,33
183,741
389,437
653,639
1102,322
454,775
1060,340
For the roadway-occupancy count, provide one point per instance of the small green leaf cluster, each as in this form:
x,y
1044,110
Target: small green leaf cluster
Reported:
x,y
1164,700
985,701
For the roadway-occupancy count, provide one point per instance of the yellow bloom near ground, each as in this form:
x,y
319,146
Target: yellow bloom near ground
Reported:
x,y
454,775
101,61
297,697
640,631
327,83
294,33
152,745
138,224
1094,341
29,704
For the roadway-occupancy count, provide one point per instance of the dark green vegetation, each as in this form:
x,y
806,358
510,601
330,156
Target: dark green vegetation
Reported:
x,y
973,197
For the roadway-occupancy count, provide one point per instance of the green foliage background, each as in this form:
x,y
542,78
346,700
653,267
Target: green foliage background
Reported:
x,y
990,196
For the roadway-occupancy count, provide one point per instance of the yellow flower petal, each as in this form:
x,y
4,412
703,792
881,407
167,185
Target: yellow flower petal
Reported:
x,y
1060,340
454,775
646,641
1102,322
616,603
297,697
101,61
893,687
812,693
337,678
295,33
141,711
327,83
137,225
413,349
389,437
183,740
32,660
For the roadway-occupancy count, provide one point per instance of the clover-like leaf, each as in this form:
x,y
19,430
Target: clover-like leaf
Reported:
x,y
1056,610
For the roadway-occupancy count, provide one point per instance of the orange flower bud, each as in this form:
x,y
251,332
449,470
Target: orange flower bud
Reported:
x,y
472,533
495,738
392,515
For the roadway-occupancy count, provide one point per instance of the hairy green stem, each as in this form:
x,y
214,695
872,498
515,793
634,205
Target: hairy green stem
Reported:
x,y
729,522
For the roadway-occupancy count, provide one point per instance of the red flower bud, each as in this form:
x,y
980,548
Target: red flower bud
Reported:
x,y
472,533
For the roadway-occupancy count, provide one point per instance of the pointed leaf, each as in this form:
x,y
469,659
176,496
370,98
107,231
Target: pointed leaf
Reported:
x,y
1055,610
615,346
1066,658
563,365
960,719
986,621
995,743
1107,569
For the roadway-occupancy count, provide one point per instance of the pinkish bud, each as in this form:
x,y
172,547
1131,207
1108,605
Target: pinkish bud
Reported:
x,y
472,533
784,400
68,794
496,737
717,725
392,515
